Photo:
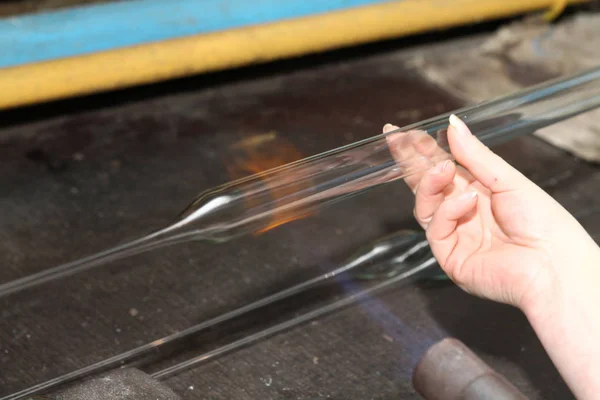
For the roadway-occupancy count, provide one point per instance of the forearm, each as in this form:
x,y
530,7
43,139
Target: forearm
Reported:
x,y
567,321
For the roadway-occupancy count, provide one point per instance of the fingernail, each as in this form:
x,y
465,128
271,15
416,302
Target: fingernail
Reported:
x,y
467,196
446,164
388,128
459,126
441,167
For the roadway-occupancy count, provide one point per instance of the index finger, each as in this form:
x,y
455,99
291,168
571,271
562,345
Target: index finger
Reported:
x,y
415,150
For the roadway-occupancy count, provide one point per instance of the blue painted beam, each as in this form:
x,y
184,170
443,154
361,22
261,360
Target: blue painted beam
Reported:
x,y
88,29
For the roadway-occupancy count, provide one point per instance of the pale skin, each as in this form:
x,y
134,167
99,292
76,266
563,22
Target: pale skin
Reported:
x,y
499,236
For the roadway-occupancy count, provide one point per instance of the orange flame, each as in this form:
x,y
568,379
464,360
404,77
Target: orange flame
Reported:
x,y
259,153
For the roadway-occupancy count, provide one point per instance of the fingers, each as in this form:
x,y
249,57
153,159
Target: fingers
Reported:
x,y
484,165
414,151
441,231
389,127
432,191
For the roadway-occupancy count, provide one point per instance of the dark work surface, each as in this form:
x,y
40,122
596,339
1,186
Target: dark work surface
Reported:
x,y
77,183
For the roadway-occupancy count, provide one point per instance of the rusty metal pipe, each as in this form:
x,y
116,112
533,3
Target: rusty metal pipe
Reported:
x,y
450,371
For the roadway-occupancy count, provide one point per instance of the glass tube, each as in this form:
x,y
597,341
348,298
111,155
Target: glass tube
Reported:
x,y
301,319
388,260
264,201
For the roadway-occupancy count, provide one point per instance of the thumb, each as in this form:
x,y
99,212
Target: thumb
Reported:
x,y
485,166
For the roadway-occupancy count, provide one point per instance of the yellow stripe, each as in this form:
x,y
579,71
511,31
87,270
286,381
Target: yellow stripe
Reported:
x,y
554,12
203,53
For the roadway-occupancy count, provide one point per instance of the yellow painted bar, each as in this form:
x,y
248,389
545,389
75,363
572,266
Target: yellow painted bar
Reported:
x,y
153,62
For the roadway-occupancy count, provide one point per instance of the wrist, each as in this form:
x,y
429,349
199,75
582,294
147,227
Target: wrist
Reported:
x,y
564,272
566,317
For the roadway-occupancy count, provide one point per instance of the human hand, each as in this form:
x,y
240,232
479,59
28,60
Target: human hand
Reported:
x,y
501,237
493,231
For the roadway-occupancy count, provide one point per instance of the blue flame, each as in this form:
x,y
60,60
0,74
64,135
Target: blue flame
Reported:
x,y
409,343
